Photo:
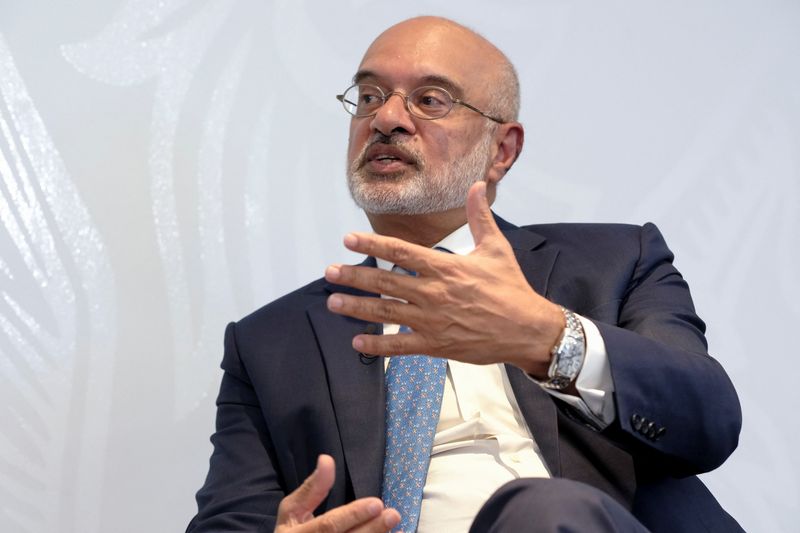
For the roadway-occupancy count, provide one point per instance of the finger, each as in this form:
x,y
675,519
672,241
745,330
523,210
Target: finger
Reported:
x,y
373,280
412,257
299,505
388,520
398,344
372,309
347,517
479,216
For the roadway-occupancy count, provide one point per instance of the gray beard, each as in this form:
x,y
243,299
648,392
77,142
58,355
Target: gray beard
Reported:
x,y
421,191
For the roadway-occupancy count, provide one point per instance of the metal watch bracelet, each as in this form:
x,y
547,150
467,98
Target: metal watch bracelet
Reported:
x,y
567,354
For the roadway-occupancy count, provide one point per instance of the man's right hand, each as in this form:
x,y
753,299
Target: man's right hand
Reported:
x,y
295,513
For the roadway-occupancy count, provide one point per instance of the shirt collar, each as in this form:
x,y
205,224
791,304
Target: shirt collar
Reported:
x,y
460,242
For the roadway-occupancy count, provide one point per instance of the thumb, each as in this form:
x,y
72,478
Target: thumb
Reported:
x,y
479,216
300,504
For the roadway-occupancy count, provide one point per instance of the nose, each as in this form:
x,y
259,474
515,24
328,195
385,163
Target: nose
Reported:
x,y
393,116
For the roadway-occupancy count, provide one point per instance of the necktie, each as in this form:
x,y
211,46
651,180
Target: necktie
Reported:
x,y
414,386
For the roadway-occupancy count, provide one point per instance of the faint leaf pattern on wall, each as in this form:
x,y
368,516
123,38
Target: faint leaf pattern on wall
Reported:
x,y
169,43
57,329
214,186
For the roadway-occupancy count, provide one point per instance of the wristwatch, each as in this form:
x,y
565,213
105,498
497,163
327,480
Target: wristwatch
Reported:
x,y
568,354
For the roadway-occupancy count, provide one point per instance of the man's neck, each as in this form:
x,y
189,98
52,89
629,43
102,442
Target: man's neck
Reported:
x,y
425,230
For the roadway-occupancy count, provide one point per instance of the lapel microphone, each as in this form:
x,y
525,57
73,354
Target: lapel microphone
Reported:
x,y
365,359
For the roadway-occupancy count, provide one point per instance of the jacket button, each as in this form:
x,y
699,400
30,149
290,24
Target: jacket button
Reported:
x,y
660,433
636,421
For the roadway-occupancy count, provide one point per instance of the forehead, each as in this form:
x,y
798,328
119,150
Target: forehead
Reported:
x,y
410,55
394,81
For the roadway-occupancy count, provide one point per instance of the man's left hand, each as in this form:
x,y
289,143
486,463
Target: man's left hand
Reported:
x,y
477,308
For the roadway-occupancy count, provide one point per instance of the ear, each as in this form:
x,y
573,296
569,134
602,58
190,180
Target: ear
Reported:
x,y
508,138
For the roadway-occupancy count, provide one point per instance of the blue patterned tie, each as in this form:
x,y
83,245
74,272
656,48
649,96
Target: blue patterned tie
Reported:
x,y
414,387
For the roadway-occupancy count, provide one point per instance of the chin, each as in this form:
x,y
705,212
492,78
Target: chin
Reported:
x,y
387,201
404,193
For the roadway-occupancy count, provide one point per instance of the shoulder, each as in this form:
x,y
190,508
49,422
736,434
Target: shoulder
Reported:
x,y
605,242
285,313
598,263
587,234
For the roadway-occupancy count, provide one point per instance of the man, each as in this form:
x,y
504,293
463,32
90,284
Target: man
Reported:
x,y
522,414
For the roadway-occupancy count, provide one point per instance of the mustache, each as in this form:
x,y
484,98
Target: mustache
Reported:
x,y
411,154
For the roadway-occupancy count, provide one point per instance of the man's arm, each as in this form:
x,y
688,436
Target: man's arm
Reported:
x,y
475,309
671,397
672,404
242,490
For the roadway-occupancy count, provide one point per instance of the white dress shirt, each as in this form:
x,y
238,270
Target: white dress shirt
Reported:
x,y
482,440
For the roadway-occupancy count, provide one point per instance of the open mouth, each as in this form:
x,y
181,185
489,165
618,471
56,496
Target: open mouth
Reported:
x,y
382,158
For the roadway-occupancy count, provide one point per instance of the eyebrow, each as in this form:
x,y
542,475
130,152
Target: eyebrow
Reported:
x,y
366,76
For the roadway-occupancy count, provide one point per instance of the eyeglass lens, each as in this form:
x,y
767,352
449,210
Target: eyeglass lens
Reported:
x,y
424,102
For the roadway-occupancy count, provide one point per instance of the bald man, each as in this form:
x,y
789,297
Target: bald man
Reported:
x,y
469,374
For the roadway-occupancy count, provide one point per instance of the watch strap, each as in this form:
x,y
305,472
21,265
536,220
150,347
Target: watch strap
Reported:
x,y
567,354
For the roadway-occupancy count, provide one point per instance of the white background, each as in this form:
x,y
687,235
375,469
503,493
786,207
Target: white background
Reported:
x,y
167,166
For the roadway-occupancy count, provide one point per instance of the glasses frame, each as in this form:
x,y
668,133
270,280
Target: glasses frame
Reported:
x,y
385,98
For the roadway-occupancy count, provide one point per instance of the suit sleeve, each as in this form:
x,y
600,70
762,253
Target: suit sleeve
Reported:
x,y
242,490
674,402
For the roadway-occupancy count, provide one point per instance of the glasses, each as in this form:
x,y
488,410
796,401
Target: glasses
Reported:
x,y
428,103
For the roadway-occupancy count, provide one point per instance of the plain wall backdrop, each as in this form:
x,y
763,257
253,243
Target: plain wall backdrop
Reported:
x,y
167,166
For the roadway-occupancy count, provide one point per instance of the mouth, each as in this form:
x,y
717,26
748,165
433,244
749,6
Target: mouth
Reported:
x,y
385,158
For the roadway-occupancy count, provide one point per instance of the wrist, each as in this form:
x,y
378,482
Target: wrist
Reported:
x,y
539,342
567,355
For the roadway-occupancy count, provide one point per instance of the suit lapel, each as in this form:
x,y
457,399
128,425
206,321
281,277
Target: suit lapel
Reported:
x,y
535,259
539,412
357,393
538,409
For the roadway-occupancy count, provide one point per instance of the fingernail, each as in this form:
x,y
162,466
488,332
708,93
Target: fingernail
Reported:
x,y
335,301
375,508
350,240
358,343
390,520
332,273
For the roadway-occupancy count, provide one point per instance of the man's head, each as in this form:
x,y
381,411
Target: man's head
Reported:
x,y
399,163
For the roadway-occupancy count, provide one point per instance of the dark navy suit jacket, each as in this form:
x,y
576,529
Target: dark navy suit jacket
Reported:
x,y
293,387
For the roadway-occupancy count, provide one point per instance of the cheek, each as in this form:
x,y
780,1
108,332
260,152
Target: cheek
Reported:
x,y
444,146
357,140
452,140
468,142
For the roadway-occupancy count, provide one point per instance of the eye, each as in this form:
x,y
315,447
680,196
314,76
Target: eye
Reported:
x,y
431,98
363,98
369,96
367,99
430,101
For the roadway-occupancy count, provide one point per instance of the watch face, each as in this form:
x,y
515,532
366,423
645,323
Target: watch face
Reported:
x,y
570,357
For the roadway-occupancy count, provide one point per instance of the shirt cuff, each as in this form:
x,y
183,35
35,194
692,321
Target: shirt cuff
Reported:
x,y
594,383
